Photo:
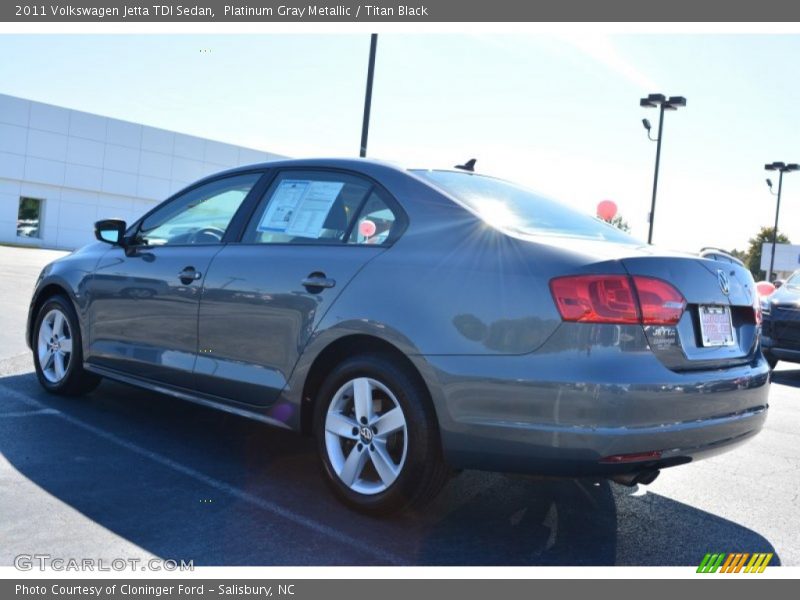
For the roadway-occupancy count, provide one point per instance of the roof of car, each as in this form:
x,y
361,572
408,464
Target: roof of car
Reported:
x,y
356,164
365,165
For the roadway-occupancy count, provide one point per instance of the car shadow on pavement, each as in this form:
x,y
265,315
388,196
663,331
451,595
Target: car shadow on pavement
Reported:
x,y
185,482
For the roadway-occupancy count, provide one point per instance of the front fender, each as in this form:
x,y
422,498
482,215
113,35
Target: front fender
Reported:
x,y
68,275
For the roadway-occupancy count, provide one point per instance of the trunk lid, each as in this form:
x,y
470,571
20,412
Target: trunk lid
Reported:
x,y
706,284
681,347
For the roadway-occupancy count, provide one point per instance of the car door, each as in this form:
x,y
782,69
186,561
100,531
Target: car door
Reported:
x,y
144,298
264,296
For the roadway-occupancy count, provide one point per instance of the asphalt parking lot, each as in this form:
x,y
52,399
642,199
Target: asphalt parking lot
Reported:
x,y
126,473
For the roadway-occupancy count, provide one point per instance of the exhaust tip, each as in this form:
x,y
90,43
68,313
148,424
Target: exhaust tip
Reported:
x,y
648,477
639,478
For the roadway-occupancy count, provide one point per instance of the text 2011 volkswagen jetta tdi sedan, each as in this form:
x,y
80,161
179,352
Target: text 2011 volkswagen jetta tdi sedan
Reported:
x,y
414,322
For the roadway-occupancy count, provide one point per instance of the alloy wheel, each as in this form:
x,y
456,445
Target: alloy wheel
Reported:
x,y
366,436
54,345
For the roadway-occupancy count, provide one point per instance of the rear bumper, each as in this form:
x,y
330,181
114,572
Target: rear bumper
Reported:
x,y
561,413
577,452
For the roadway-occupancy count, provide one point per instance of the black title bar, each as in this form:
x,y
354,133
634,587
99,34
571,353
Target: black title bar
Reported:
x,y
419,11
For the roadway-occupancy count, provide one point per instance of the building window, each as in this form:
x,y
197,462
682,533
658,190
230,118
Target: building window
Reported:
x,y
29,217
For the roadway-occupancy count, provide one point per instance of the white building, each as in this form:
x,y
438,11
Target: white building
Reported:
x,y
61,170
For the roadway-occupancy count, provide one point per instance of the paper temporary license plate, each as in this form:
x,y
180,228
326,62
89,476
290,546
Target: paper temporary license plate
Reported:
x,y
715,326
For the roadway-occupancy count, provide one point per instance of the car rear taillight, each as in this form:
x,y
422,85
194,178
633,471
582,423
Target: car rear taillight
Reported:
x,y
759,310
660,302
595,299
617,299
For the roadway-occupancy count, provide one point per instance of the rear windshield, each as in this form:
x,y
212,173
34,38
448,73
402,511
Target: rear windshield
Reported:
x,y
513,208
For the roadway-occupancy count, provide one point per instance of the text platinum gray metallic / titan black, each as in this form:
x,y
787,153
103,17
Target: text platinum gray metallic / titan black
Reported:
x,y
416,322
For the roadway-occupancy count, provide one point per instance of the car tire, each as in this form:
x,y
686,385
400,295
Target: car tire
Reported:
x,y
355,455
57,350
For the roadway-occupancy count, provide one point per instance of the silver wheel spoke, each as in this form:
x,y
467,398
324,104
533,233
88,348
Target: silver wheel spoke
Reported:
x,y
362,398
66,345
390,422
58,360
50,362
45,331
44,355
58,324
383,463
353,466
341,425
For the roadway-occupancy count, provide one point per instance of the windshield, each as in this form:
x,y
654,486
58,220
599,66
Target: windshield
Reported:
x,y
510,207
793,281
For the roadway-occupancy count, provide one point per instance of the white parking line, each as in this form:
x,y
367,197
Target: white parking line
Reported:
x,y
221,486
29,413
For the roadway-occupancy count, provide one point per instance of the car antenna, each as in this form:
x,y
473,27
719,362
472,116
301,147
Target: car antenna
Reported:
x,y
468,166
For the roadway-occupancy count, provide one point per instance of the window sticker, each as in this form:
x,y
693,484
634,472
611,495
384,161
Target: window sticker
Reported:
x,y
300,207
309,217
282,205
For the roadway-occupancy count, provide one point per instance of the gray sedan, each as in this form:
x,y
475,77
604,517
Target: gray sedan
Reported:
x,y
416,322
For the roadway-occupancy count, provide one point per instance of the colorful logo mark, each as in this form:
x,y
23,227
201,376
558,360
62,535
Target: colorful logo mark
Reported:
x,y
735,562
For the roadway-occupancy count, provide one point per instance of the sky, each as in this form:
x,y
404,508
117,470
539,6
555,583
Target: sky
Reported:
x,y
557,113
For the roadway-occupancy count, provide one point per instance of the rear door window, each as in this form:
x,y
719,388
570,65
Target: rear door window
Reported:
x,y
321,207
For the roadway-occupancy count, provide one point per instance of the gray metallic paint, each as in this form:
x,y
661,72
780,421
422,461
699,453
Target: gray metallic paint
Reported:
x,y
256,316
143,318
514,388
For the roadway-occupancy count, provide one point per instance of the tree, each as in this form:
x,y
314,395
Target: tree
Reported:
x,y
740,254
753,260
619,223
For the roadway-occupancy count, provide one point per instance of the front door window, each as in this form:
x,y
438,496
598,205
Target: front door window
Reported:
x,y
200,216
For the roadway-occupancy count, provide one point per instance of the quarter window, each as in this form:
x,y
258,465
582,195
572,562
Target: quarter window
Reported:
x,y
375,222
200,216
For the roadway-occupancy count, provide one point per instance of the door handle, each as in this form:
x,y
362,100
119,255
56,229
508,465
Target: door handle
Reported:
x,y
316,282
188,275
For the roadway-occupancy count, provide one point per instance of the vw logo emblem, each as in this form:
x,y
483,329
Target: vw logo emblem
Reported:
x,y
366,434
724,284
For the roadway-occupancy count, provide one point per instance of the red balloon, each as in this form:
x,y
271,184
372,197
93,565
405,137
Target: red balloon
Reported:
x,y
367,228
607,210
764,288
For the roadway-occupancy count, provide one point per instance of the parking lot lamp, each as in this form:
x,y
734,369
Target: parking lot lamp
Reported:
x,y
664,103
373,47
781,168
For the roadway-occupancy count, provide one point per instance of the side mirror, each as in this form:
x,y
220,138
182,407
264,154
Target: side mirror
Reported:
x,y
111,231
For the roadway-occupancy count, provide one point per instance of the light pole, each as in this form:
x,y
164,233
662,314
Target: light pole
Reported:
x,y
652,101
373,47
781,168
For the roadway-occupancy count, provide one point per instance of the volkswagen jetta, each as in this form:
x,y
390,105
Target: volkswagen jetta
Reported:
x,y
415,322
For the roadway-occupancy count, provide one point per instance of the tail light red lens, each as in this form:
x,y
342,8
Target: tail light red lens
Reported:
x,y
617,299
595,299
660,302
